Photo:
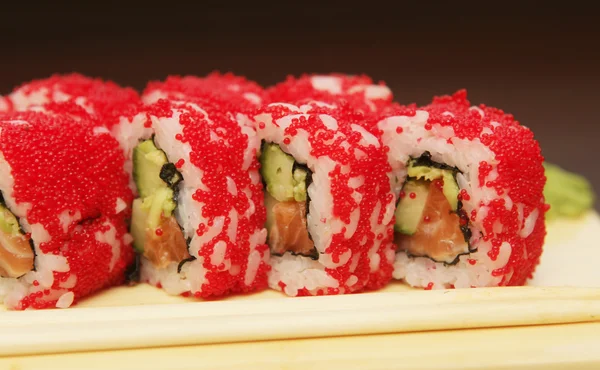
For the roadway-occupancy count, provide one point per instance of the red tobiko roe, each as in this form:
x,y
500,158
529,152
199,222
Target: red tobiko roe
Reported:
x,y
520,176
234,93
107,100
373,166
60,164
219,159
295,89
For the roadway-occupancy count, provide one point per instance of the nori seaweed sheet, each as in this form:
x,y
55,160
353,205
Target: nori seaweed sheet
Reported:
x,y
132,273
425,161
190,259
168,172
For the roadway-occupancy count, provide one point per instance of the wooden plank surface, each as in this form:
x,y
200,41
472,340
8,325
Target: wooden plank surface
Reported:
x,y
268,330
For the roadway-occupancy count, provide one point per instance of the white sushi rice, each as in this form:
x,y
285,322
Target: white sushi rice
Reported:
x,y
21,101
110,237
189,212
4,105
298,272
155,95
465,155
128,133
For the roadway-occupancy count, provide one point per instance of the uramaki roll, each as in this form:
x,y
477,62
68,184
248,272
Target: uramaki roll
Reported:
x,y
199,219
469,181
328,200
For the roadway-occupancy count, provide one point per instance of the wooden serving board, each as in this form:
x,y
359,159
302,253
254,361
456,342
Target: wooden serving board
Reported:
x,y
553,320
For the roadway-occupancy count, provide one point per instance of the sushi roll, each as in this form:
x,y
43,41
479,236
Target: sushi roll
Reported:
x,y
358,90
236,93
63,210
198,221
116,108
469,182
328,200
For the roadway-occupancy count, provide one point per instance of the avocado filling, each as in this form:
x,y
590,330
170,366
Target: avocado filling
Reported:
x,y
430,221
16,249
286,201
156,233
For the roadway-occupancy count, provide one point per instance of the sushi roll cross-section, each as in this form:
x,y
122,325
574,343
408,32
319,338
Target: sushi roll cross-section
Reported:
x,y
199,219
328,200
469,182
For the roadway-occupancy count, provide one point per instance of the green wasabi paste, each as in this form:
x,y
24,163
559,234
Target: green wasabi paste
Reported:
x,y
570,195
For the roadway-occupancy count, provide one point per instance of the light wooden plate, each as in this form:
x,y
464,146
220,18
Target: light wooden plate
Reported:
x,y
564,297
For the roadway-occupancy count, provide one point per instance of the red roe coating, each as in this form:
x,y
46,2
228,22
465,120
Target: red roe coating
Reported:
x,y
520,176
302,88
60,165
235,93
374,167
104,99
218,159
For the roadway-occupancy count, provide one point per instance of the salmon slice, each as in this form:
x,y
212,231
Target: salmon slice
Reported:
x,y
165,244
16,255
289,232
438,235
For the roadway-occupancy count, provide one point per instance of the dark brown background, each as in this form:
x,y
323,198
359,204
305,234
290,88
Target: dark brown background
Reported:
x,y
539,62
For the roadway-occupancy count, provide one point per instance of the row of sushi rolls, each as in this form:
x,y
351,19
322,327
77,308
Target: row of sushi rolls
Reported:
x,y
209,186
